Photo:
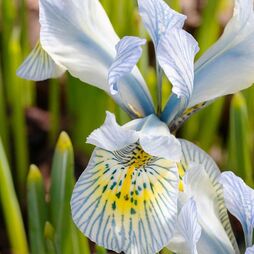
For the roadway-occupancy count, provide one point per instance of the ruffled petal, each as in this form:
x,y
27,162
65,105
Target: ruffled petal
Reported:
x,y
79,36
201,182
227,67
127,200
175,53
158,18
111,136
188,229
128,53
39,66
239,200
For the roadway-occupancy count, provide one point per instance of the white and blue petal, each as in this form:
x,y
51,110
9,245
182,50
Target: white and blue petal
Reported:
x,y
39,66
227,67
128,53
239,200
201,182
79,37
126,200
175,53
152,135
158,18
250,250
111,136
188,230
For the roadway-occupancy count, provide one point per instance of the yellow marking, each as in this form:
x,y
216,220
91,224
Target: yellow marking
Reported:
x,y
181,170
135,111
181,186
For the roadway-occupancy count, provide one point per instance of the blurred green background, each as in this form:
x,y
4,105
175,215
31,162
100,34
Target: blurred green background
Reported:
x,y
34,211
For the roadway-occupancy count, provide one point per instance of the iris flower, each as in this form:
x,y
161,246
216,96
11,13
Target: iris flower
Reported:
x,y
143,188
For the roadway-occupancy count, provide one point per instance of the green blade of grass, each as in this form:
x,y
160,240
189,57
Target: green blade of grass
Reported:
x,y
240,152
36,210
49,233
11,209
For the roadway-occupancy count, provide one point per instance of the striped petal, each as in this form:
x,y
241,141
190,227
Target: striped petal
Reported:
x,y
128,53
158,18
227,67
39,66
188,230
239,200
79,36
127,200
202,183
176,52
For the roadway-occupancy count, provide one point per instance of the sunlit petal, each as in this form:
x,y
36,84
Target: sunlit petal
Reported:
x,y
112,136
158,18
227,67
39,66
201,182
239,200
79,36
127,200
128,53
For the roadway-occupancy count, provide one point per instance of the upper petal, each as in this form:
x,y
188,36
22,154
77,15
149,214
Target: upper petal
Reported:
x,y
250,250
39,66
79,36
158,18
128,53
239,200
227,66
126,204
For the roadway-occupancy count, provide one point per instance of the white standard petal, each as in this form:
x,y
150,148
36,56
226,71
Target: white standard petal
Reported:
x,y
239,200
111,136
189,228
250,250
39,66
176,53
158,18
227,67
128,53
79,36
156,140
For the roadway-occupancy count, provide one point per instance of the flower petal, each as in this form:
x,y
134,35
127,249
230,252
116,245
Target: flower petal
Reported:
x,y
111,136
187,227
176,52
158,18
79,36
125,204
227,67
128,53
250,250
202,183
39,66
239,200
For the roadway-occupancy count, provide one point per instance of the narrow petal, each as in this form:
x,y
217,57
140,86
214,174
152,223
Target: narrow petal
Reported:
x,y
39,66
227,67
128,53
158,18
202,183
189,228
79,36
111,136
127,204
250,250
176,52
239,200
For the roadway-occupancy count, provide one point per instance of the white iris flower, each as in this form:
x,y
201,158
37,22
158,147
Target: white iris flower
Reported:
x,y
144,189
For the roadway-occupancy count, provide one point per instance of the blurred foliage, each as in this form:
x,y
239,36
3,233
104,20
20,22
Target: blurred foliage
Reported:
x,y
32,116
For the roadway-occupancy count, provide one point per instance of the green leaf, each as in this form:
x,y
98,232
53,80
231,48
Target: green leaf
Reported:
x,y
36,210
49,233
11,209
